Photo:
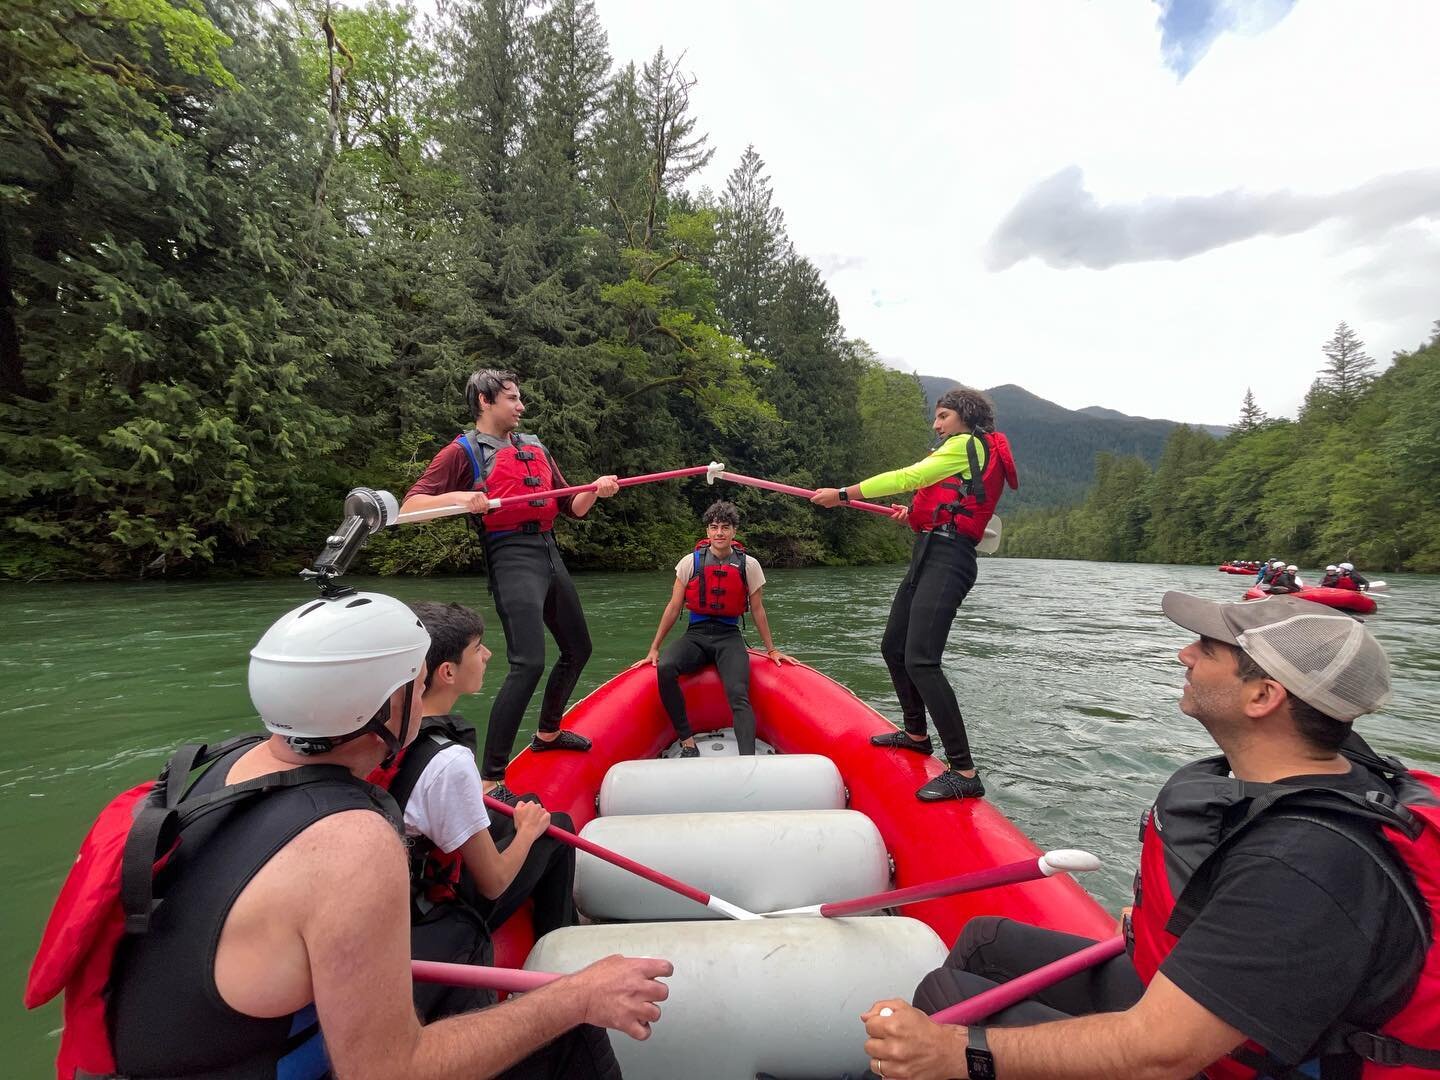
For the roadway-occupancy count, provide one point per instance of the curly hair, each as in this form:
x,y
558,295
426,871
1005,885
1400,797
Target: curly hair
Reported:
x,y
726,513
487,383
971,406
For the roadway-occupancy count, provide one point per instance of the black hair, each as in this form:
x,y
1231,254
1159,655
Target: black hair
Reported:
x,y
452,627
1322,732
487,383
726,513
971,406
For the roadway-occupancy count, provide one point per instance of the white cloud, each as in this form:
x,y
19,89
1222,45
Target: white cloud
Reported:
x,y
902,134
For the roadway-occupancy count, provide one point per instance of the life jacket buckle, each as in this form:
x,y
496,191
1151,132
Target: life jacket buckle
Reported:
x,y
532,481
1376,1048
524,455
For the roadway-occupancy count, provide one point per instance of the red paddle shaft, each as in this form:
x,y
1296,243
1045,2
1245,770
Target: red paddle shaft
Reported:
x,y
804,493
508,980
973,1010
714,903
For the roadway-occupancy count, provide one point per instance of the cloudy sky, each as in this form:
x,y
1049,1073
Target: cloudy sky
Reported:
x,y
1138,204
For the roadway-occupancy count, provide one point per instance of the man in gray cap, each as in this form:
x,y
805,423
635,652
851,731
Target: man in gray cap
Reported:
x,y
1279,923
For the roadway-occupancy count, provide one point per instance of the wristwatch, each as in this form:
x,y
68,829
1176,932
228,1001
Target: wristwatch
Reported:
x,y
979,1062
844,494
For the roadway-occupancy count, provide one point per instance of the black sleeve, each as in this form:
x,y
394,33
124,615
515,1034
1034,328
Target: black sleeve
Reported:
x,y
1275,953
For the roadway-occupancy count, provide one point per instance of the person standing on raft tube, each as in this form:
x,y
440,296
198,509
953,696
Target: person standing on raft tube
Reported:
x,y
1284,905
528,579
718,582
956,489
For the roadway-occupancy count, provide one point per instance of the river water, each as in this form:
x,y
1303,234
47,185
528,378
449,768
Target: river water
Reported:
x,y
1066,672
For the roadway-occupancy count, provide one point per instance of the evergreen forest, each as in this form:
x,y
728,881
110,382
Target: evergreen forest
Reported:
x,y
1355,477
249,254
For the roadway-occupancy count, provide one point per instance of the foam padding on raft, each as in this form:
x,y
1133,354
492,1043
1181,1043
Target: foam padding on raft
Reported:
x,y
761,860
782,996
722,784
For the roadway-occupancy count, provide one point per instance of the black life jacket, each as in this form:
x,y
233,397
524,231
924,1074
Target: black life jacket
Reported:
x,y
131,939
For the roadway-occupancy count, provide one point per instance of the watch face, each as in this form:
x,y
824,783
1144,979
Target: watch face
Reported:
x,y
979,1064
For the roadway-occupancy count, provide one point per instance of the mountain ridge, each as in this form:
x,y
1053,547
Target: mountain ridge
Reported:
x,y
1055,447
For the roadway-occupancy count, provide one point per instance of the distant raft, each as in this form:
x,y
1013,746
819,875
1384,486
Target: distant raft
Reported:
x,y
1340,599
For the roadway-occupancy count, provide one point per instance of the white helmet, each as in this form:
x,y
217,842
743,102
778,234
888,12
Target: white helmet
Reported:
x,y
1346,566
326,668
1292,568
1331,568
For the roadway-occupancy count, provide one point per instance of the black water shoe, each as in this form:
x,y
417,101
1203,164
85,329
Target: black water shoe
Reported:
x,y
503,794
566,740
951,785
689,751
899,740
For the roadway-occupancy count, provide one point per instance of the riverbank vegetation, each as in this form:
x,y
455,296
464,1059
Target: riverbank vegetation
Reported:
x,y
1356,476
250,253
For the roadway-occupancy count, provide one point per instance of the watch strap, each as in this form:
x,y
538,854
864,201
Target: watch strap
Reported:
x,y
979,1062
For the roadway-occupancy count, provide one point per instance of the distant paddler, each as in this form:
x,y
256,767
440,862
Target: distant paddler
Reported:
x,y
956,488
527,577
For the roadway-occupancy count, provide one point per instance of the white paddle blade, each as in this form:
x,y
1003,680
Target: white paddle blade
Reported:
x,y
813,911
1068,861
724,907
990,542
415,516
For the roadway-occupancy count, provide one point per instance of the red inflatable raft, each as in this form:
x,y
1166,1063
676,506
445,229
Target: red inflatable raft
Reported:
x,y
801,711
1342,599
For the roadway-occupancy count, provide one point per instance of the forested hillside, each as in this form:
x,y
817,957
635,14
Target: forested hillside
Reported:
x,y
249,254
1356,476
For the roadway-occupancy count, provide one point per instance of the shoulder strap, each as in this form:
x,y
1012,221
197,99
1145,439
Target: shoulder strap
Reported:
x,y
159,823
417,758
475,451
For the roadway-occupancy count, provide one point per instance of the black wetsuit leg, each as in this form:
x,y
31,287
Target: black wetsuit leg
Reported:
x,y
993,950
566,622
686,655
547,876
942,572
532,591
732,660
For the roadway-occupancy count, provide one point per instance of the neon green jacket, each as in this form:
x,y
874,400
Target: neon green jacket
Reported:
x,y
948,460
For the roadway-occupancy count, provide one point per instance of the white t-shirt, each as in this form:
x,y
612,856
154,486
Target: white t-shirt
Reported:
x,y
754,572
447,805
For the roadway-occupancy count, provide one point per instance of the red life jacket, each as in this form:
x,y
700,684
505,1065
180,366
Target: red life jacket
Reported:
x,y
435,877
517,469
1345,581
717,590
968,505
1178,859
109,893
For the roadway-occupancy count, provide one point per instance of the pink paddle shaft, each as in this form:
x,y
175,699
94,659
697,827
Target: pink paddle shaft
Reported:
x,y
973,1010
508,980
613,857
804,493
625,481
1028,870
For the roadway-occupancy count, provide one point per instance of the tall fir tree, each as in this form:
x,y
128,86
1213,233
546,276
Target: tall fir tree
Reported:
x,y
1348,370
1251,415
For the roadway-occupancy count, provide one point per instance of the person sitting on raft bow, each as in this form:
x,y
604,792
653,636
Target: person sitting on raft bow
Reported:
x,y
272,939
717,582
956,488
1282,915
468,872
1331,575
526,576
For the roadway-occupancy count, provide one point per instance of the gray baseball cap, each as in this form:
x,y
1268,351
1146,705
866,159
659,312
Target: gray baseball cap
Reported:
x,y
1322,656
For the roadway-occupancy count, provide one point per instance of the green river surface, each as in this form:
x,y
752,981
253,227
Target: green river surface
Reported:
x,y
1066,672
